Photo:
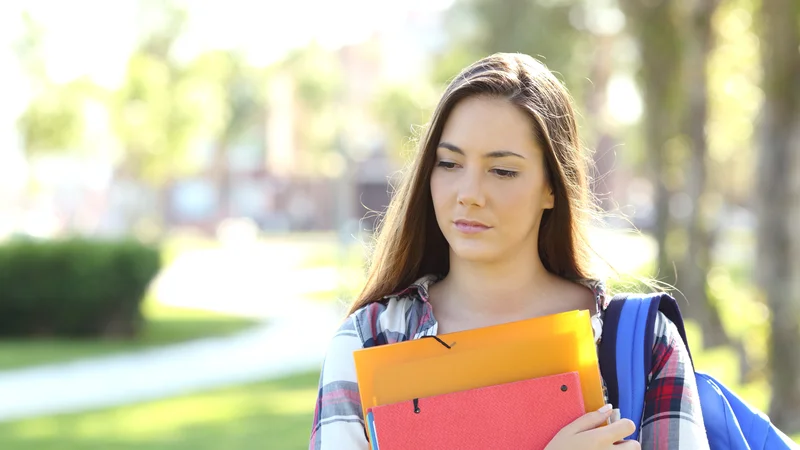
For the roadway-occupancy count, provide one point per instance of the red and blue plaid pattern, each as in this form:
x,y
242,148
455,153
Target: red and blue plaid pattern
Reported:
x,y
672,417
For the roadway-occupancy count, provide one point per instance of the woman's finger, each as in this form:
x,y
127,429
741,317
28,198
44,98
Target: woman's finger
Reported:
x,y
588,421
628,445
615,432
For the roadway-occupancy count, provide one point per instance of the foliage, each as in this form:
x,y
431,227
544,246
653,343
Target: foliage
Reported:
x,y
734,101
164,109
74,287
321,103
235,87
402,110
53,120
158,114
546,30
317,74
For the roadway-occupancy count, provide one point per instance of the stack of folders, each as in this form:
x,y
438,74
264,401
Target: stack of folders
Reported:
x,y
508,386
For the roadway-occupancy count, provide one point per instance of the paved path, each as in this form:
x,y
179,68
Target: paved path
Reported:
x,y
284,346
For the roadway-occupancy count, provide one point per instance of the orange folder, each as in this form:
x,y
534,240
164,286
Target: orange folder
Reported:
x,y
488,356
523,414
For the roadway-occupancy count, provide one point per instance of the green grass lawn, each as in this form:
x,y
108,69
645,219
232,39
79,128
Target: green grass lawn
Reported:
x,y
274,415
164,325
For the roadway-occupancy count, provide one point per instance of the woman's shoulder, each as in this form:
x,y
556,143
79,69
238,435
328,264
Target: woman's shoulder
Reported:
x,y
397,317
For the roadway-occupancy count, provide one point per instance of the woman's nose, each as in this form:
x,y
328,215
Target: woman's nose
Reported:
x,y
470,190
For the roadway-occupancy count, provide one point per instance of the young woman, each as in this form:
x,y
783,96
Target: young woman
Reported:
x,y
489,227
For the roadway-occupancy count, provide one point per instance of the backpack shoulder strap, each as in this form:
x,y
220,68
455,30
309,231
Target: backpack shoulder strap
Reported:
x,y
626,348
669,307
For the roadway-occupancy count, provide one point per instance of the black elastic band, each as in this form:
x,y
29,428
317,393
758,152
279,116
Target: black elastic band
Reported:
x,y
441,341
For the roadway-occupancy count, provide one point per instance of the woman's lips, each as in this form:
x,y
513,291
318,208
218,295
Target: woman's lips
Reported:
x,y
470,227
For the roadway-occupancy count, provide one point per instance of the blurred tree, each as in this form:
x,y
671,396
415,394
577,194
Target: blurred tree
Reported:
x,y
237,89
319,87
29,48
778,203
317,75
692,280
543,29
604,22
675,40
53,119
653,25
163,107
399,109
735,98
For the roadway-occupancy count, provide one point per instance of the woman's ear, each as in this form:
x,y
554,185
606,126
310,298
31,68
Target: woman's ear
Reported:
x,y
549,199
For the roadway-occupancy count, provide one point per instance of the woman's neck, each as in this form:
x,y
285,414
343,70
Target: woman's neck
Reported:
x,y
505,288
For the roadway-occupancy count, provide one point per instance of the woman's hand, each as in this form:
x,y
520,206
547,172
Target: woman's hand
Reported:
x,y
584,433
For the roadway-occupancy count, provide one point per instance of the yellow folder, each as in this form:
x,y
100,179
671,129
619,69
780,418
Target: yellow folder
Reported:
x,y
482,357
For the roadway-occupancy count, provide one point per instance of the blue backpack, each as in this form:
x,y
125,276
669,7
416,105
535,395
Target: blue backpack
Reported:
x,y
625,354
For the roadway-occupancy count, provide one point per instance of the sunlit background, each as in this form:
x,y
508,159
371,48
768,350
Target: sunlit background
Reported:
x,y
188,191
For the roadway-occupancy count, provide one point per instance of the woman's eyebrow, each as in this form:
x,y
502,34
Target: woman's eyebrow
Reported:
x,y
494,154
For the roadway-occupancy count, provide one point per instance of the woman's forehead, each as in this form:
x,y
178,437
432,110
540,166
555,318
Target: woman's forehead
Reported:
x,y
486,124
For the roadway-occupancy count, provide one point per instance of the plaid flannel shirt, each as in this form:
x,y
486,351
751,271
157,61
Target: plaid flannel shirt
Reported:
x,y
672,417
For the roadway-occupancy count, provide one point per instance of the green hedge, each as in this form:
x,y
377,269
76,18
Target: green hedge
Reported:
x,y
74,287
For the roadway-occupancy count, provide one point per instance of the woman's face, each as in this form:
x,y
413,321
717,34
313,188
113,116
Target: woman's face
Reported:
x,y
488,185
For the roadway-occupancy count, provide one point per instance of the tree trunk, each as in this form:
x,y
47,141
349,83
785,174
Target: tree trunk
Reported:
x,y
779,204
693,278
659,49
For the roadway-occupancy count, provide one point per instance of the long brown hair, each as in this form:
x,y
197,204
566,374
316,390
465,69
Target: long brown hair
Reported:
x,y
410,244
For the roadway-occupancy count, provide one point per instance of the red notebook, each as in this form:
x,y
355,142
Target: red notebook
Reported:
x,y
523,414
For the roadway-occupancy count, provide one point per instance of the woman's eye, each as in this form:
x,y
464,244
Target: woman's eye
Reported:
x,y
446,164
505,173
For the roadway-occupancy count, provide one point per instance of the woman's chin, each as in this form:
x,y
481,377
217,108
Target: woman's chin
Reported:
x,y
475,253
